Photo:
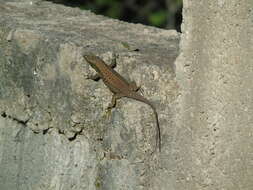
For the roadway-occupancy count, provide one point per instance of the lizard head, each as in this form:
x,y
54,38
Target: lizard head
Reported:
x,y
92,60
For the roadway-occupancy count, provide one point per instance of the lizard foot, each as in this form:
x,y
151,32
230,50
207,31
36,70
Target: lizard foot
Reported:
x,y
141,91
108,113
134,87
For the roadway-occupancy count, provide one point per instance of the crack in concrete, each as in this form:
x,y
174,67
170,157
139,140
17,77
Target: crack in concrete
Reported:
x,y
22,122
44,131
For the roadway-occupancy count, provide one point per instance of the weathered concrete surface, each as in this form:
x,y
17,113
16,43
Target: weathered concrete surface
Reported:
x,y
54,133
53,130
214,135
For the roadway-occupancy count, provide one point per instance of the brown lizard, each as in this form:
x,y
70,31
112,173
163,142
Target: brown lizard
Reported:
x,y
120,87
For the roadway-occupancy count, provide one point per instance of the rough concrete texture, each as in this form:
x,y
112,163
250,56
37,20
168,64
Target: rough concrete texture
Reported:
x,y
215,119
54,131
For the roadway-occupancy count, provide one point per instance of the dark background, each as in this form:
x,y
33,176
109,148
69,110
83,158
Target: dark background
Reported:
x,y
159,13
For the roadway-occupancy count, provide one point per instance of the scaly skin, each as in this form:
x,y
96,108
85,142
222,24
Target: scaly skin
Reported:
x,y
120,87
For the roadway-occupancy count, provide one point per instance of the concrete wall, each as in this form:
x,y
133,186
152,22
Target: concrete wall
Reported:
x,y
215,75
54,129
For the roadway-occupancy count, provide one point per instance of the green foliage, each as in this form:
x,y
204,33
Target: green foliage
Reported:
x,y
110,8
158,18
114,10
149,12
105,2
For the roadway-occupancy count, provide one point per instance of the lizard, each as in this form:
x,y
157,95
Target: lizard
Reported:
x,y
119,86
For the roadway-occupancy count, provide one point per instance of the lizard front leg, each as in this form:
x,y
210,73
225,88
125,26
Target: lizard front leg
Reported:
x,y
95,77
113,62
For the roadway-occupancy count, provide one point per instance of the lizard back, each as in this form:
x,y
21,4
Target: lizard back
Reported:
x,y
113,80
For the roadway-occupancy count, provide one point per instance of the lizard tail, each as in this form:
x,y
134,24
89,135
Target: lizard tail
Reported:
x,y
158,131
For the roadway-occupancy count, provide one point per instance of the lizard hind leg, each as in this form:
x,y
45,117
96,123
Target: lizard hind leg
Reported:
x,y
115,97
133,86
